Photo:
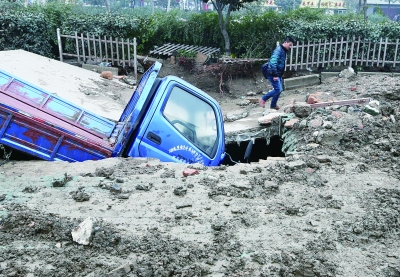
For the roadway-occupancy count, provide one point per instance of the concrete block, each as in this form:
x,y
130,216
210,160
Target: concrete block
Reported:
x,y
302,81
360,73
327,75
99,69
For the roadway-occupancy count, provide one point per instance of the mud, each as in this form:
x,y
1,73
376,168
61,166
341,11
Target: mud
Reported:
x,y
330,208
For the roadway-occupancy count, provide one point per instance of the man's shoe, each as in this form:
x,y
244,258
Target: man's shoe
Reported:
x,y
276,108
261,102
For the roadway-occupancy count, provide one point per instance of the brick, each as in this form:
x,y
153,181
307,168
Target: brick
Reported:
x,y
312,99
267,119
289,124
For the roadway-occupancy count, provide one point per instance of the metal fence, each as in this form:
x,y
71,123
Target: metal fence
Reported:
x,y
343,52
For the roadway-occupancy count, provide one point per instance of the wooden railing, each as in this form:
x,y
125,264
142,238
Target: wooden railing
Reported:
x,y
343,52
107,49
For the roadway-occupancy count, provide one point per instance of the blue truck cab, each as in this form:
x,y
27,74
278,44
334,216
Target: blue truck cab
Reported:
x,y
166,118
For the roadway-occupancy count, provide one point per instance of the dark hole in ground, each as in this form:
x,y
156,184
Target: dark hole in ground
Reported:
x,y
260,150
16,155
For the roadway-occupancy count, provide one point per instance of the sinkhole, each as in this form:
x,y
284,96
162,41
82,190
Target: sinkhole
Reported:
x,y
258,149
240,152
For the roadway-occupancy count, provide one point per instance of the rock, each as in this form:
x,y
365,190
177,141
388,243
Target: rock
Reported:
x,y
107,75
190,171
183,205
302,110
327,125
348,73
82,234
2,197
180,191
295,164
235,115
143,187
312,98
244,103
323,159
370,110
120,271
61,181
290,123
267,119
316,122
242,186
116,188
80,196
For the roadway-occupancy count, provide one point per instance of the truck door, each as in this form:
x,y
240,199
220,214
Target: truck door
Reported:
x,y
185,127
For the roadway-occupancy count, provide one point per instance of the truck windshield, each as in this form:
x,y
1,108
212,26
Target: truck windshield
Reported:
x,y
193,118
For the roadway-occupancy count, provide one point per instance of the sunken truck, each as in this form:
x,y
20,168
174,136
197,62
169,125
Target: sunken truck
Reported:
x,y
166,118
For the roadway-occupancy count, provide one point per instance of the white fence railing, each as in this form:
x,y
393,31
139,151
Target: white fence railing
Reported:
x,y
107,49
344,52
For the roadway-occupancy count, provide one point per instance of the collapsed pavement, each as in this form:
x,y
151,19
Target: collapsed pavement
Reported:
x,y
330,208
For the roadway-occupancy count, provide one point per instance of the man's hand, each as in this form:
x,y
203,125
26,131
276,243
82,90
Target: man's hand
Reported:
x,y
276,78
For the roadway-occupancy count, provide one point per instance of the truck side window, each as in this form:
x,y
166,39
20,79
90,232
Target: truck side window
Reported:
x,y
193,118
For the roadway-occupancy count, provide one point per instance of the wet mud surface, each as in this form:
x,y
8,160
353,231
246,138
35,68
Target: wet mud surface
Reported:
x,y
329,209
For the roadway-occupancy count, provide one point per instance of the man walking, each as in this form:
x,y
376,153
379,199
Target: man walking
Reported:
x,y
273,71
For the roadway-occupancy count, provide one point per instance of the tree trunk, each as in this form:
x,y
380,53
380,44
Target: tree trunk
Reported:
x,y
365,10
222,24
108,4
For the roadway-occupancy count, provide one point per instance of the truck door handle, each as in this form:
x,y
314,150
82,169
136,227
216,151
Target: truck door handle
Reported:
x,y
154,138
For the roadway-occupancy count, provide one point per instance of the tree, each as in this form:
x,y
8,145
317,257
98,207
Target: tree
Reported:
x,y
226,6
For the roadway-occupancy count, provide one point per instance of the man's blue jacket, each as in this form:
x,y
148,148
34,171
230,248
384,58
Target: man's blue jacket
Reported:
x,y
275,67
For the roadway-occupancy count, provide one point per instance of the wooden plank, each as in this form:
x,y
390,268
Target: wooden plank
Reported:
x,y
319,51
83,48
329,53
129,53
117,46
347,47
165,46
100,48
94,45
105,47
77,46
341,102
313,53
291,58
123,52
362,53
323,57
379,52
334,52
308,54
112,50
351,52
171,49
60,50
357,59
297,55
384,52
88,45
302,54
368,52
134,58
341,51
395,53
373,54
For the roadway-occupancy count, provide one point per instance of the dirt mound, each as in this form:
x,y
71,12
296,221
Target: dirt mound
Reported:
x,y
330,208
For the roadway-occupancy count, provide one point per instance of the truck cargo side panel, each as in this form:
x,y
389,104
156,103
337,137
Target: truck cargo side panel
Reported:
x,y
54,106
38,139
